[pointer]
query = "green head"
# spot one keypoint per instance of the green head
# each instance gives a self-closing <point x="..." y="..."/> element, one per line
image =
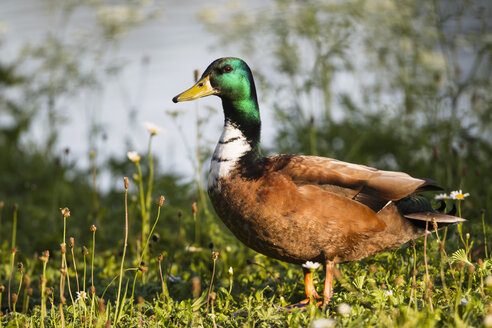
<point x="230" y="79"/>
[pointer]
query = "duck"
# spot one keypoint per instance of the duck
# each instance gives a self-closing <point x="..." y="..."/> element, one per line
<point x="298" y="208"/>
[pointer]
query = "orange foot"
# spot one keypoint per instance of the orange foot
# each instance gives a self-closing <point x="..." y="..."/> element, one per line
<point x="302" y="305"/>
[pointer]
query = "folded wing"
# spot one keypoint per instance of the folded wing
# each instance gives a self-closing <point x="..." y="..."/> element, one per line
<point x="369" y="186"/>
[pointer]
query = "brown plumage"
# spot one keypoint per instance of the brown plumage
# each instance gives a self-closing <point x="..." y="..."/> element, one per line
<point x="306" y="208"/>
<point x="302" y="208"/>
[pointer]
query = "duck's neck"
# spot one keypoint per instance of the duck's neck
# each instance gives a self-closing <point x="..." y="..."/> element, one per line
<point x="245" y="115"/>
<point x="239" y="142"/>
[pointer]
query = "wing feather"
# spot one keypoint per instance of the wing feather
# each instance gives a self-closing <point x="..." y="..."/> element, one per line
<point x="365" y="184"/>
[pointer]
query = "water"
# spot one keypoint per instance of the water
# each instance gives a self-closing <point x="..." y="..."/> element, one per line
<point x="172" y="46"/>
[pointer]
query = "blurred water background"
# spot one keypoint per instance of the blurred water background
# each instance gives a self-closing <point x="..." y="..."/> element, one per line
<point x="155" y="61"/>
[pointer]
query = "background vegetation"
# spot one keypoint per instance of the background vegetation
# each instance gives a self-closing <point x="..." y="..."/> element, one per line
<point x="400" y="85"/>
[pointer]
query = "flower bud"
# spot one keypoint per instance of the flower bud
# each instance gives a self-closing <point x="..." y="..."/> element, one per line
<point x="65" y="212"/>
<point x="102" y="306"/>
<point x="27" y="281"/>
<point x="215" y="255"/>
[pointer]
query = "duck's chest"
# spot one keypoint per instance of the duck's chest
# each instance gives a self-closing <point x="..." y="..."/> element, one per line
<point x="231" y="147"/>
<point x="260" y="220"/>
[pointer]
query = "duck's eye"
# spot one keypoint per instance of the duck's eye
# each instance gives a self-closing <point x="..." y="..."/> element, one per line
<point x="227" y="69"/>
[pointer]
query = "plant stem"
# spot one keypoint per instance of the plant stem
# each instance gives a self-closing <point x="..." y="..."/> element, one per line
<point x="484" y="234"/>
<point x="426" y="267"/>
<point x="460" y="227"/>
<point x="92" y="261"/>
<point x="85" y="270"/>
<point x="143" y="210"/>
<point x="144" y="248"/>
<point x="163" y="287"/>
<point x="20" y="285"/>
<point x="199" y="182"/>
<point x="211" y="282"/>
<point x="95" y="198"/>
<point x="150" y="182"/>
<point x="14" y="227"/>
<point x="43" y="294"/>
<point x="197" y="230"/>
<point x="124" y="248"/>
<point x="12" y="260"/>
<point x="75" y="269"/>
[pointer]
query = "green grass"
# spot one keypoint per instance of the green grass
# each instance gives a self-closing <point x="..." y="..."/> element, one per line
<point x="389" y="289"/>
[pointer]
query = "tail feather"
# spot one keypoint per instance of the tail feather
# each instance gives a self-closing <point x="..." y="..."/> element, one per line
<point x="430" y="216"/>
<point x="452" y="211"/>
<point x="428" y="185"/>
<point x="442" y="206"/>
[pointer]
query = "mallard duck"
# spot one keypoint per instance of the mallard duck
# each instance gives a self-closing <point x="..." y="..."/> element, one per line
<point x="298" y="208"/>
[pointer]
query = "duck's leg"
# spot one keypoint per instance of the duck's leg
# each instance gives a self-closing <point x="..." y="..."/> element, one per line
<point x="328" y="290"/>
<point x="309" y="288"/>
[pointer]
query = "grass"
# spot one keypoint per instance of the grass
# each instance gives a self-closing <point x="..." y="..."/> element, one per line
<point x="441" y="279"/>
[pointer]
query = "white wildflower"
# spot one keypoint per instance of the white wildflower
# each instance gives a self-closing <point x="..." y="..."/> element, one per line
<point x="133" y="156"/>
<point x="323" y="323"/>
<point x="152" y="128"/>
<point x="388" y="293"/>
<point x="231" y="271"/>
<point x="464" y="300"/>
<point x="193" y="249"/>
<point x="81" y="296"/>
<point x="311" y="265"/>
<point x="441" y="196"/>
<point x="458" y="194"/>
<point x="488" y="281"/>
<point x="344" y="309"/>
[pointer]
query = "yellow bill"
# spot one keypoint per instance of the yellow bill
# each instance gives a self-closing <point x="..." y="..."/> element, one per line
<point x="201" y="89"/>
